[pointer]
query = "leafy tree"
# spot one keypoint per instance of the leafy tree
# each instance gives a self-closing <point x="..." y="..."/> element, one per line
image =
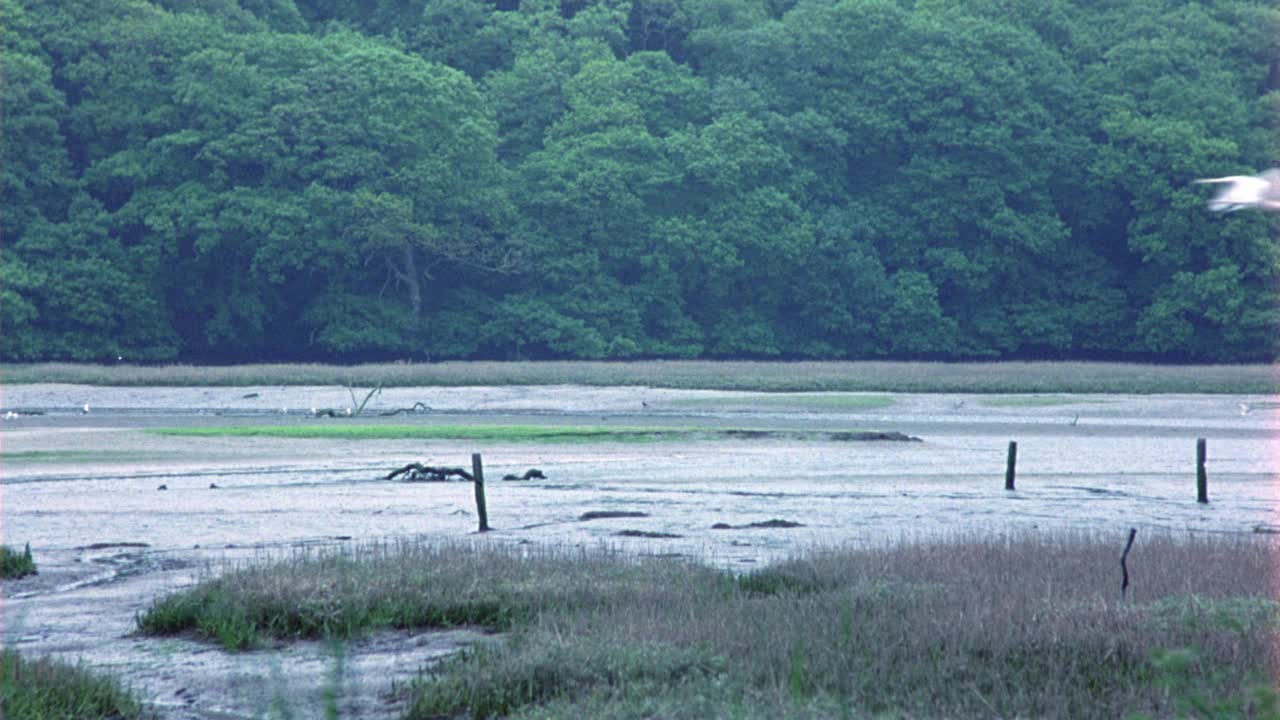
<point x="235" y="179"/>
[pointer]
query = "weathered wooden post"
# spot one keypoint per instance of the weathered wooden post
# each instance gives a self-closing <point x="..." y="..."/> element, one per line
<point x="1009" y="465"/>
<point x="1124" y="567"/>
<point x="477" y="469"/>
<point x="1202" y="478"/>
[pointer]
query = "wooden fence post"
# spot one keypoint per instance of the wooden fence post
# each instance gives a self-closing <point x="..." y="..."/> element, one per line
<point x="1124" y="567"/>
<point x="477" y="469"/>
<point x="1202" y="478"/>
<point x="1009" y="465"/>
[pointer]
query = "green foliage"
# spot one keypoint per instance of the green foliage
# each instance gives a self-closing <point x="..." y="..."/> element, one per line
<point x="1191" y="686"/>
<point x="14" y="564"/>
<point x="339" y="180"/>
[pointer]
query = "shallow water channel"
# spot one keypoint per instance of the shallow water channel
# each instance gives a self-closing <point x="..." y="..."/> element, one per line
<point x="81" y="478"/>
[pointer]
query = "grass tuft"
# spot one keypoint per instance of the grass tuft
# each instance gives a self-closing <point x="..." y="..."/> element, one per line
<point x="14" y="564"/>
<point x="45" y="688"/>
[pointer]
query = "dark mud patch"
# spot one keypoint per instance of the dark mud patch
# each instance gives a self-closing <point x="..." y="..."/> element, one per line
<point x="607" y="514"/>
<point x="530" y="474"/>
<point x="1095" y="490"/>
<point x="105" y="545"/>
<point x="838" y="436"/>
<point x="646" y="534"/>
<point x="870" y="436"/>
<point x="775" y="523"/>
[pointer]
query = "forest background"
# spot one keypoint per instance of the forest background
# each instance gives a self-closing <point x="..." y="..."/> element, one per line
<point x="231" y="180"/>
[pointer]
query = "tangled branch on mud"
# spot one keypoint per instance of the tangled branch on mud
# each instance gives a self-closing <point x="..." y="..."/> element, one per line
<point x="417" y="472"/>
<point x="418" y="407"/>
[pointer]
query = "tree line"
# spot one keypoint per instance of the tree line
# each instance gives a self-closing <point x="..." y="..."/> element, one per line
<point x="230" y="180"/>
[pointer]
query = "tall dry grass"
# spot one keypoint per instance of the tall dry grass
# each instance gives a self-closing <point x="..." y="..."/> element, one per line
<point x="997" y="377"/>
<point x="1026" y="627"/>
<point x="1018" y="626"/>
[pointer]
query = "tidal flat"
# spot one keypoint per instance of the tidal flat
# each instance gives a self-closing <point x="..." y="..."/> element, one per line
<point x="83" y="488"/>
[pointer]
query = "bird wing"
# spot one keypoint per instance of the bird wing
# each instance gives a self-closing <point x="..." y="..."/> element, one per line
<point x="1272" y="179"/>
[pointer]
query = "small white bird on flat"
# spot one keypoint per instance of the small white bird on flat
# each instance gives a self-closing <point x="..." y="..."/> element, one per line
<point x="1261" y="192"/>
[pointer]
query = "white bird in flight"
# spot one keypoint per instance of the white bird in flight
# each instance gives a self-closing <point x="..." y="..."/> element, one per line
<point x="1247" y="191"/>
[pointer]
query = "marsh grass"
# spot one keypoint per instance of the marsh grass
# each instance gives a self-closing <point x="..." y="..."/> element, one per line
<point x="800" y="401"/>
<point x="1020" y="626"/>
<point x="45" y="688"/>
<point x="874" y="376"/>
<point x="14" y="564"/>
<point x="1029" y="627"/>
<point x="53" y="457"/>
<point x="503" y="433"/>
<point x="1032" y="401"/>
<point x="400" y="585"/>
<point x="507" y="433"/>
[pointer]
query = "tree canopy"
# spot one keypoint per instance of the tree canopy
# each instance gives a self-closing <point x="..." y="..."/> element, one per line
<point x="231" y="180"/>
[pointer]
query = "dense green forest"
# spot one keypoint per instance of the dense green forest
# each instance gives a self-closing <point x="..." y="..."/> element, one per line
<point x="227" y="180"/>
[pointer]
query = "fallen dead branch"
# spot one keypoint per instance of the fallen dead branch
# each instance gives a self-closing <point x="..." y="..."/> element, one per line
<point x="417" y="407"/>
<point x="775" y="523"/>
<point x="360" y="408"/>
<point x="417" y="472"/>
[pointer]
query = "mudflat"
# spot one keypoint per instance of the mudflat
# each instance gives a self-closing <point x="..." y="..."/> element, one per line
<point x="82" y="474"/>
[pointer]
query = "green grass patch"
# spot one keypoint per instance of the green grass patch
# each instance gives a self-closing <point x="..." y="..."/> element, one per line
<point x="352" y="431"/>
<point x="791" y="401"/>
<point x="862" y="376"/>
<point x="512" y="433"/>
<point x="44" y="688"/>
<point x="1030" y="626"/>
<point x="14" y="564"/>
<point x="1032" y="401"/>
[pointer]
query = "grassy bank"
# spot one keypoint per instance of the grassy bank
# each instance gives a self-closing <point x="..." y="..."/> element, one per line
<point x="43" y="689"/>
<point x="1004" y="377"/>
<point x="15" y="564"/>
<point x="513" y="433"/>
<point x="1031" y="626"/>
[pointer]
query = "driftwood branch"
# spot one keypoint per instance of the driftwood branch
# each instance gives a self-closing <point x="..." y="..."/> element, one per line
<point x="360" y="408"/>
<point x="1124" y="567"/>
<point x="353" y="411"/>
<point x="417" y="472"/>
<point x="417" y="407"/>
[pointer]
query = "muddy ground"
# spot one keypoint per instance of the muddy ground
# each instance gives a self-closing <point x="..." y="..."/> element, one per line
<point x="81" y="479"/>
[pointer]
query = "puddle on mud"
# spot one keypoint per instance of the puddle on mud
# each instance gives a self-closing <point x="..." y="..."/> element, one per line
<point x="82" y="489"/>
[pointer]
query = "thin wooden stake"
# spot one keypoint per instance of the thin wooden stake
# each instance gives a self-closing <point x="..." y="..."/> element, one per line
<point x="477" y="471"/>
<point x="1009" y="465"/>
<point x="1124" y="585"/>
<point x="1202" y="478"/>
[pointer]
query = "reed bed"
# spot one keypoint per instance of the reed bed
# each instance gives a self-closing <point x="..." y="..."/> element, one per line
<point x="1011" y="626"/>
<point x="863" y="376"/>
<point x="43" y="688"/>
